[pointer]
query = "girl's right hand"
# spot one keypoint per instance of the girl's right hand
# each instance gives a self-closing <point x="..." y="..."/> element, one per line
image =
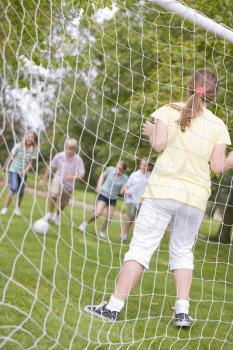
<point x="148" y="129"/>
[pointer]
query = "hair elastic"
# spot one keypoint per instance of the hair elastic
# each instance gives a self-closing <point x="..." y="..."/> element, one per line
<point x="200" y="90"/>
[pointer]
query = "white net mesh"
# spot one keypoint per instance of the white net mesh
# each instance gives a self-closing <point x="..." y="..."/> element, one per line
<point x="95" y="71"/>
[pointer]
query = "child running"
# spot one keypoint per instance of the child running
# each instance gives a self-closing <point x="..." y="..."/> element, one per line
<point x="134" y="189"/>
<point x="17" y="165"/>
<point x="68" y="168"/>
<point x="110" y="185"/>
<point x="191" y="141"/>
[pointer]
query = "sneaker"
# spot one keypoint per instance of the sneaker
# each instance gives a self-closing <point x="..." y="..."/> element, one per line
<point x="3" y="211"/>
<point x="182" y="320"/>
<point x="102" y="235"/>
<point x="123" y="237"/>
<point x="17" y="212"/>
<point x="83" y="226"/>
<point x="56" y="219"/>
<point x="101" y="311"/>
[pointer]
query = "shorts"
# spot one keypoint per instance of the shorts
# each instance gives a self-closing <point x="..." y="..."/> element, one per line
<point x="153" y="219"/>
<point x="108" y="201"/>
<point x="58" y="191"/>
<point x="17" y="183"/>
<point x="132" y="210"/>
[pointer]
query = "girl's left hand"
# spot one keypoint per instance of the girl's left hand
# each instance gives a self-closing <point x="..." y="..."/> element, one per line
<point x="148" y="129"/>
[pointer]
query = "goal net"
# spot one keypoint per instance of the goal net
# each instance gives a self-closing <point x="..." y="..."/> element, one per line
<point x="95" y="71"/>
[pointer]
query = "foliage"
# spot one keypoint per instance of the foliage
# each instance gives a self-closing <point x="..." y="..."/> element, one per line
<point x="140" y="59"/>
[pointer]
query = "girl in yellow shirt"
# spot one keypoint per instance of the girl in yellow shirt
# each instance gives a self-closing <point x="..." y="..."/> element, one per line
<point x="191" y="141"/>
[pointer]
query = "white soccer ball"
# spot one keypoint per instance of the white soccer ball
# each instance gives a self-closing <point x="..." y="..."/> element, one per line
<point x="41" y="227"/>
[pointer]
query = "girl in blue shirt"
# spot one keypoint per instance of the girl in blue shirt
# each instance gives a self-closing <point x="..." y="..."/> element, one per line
<point x="110" y="185"/>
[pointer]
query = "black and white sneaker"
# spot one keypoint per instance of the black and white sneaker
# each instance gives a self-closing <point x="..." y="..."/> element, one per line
<point x="101" y="311"/>
<point x="182" y="320"/>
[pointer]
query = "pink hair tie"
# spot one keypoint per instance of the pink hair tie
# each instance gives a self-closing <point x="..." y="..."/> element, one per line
<point x="200" y="90"/>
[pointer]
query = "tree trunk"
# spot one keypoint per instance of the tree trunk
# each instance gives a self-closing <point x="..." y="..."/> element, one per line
<point x="224" y="232"/>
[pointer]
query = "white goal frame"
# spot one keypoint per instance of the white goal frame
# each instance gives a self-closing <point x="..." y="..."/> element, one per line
<point x="197" y="18"/>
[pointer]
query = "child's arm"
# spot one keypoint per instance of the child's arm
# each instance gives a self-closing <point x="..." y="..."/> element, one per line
<point x="218" y="158"/>
<point x="157" y="134"/>
<point x="46" y="174"/>
<point x="51" y="167"/>
<point x="123" y="189"/>
<point x="7" y="162"/>
<point x="27" y="168"/>
<point x="219" y="163"/>
<point x="100" y="181"/>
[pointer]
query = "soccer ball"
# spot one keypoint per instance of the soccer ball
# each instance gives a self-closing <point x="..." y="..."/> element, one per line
<point x="40" y="227"/>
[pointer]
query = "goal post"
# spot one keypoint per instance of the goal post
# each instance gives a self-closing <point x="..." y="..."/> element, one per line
<point x="196" y="17"/>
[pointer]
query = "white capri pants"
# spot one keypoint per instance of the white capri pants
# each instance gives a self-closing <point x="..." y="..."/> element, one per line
<point x="153" y="219"/>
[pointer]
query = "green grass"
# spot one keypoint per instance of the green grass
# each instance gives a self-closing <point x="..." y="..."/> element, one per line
<point x="45" y="283"/>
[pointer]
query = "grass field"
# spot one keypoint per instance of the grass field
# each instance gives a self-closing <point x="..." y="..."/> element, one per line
<point x="46" y="282"/>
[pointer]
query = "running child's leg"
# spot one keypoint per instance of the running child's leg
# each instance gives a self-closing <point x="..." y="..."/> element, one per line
<point x="109" y="214"/>
<point x="52" y="204"/>
<point x="63" y="200"/>
<point x="54" y="194"/>
<point x="14" y="186"/>
<point x="20" y="194"/>
<point x="128" y="223"/>
<point x="100" y="206"/>
<point x="8" y="199"/>
<point x="130" y="218"/>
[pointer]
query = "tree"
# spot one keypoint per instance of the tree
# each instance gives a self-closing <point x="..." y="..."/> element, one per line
<point x="116" y="71"/>
<point x="225" y="230"/>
